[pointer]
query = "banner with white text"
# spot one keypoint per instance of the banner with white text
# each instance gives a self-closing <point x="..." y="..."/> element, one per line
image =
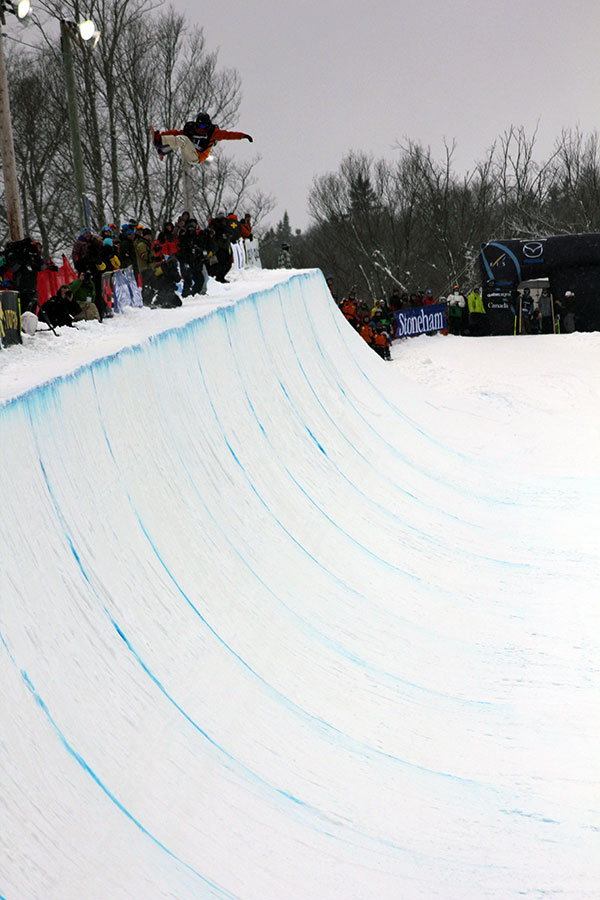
<point x="421" y="320"/>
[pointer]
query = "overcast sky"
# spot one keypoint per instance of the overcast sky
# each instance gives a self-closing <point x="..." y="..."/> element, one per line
<point x="321" y="78"/>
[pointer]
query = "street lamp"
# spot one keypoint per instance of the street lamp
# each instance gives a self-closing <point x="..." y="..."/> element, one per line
<point x="20" y="10"/>
<point x="7" y="147"/>
<point x="69" y="31"/>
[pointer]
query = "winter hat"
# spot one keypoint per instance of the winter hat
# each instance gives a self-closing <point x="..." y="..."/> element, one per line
<point x="108" y="242"/>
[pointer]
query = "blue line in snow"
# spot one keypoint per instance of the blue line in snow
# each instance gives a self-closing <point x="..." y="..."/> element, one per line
<point x="89" y="771"/>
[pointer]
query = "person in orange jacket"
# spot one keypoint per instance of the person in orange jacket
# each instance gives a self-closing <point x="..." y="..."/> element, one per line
<point x="366" y="331"/>
<point x="246" y="227"/>
<point x="349" y="308"/>
<point x="201" y="133"/>
<point x="381" y="342"/>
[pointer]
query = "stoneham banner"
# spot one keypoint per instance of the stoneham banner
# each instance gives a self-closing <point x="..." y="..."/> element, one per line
<point x="421" y="320"/>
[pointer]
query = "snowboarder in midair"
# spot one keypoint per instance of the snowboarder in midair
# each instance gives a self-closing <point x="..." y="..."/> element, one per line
<point x="195" y="140"/>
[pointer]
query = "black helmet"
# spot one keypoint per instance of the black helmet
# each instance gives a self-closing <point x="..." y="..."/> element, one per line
<point x="203" y="119"/>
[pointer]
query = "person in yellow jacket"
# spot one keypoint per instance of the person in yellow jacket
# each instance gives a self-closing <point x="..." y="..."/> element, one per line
<point x="477" y="321"/>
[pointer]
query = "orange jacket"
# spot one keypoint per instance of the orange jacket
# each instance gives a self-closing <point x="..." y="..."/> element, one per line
<point x="366" y="332"/>
<point x="349" y="308"/>
<point x="218" y="135"/>
<point x="381" y="340"/>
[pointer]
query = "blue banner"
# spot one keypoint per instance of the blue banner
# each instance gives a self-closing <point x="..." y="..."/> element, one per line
<point x="125" y="290"/>
<point x="421" y="320"/>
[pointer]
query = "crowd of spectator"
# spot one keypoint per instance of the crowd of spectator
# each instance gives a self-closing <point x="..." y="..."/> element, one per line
<point x="181" y="252"/>
<point x="465" y="313"/>
<point x="374" y="322"/>
<point x="176" y="263"/>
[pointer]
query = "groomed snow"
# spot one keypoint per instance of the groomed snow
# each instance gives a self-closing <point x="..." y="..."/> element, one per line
<point x="279" y="619"/>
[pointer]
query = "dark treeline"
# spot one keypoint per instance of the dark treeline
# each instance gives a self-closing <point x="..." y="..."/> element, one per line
<point x="150" y="67"/>
<point x="417" y="224"/>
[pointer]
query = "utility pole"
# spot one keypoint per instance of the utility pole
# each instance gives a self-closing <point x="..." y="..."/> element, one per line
<point x="186" y="185"/>
<point x="67" y="34"/>
<point x="7" y="151"/>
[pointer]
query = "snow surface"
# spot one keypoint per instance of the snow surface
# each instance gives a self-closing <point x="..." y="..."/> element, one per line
<point x="281" y="620"/>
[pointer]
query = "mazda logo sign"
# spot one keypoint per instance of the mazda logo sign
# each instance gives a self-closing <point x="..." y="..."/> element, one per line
<point x="533" y="250"/>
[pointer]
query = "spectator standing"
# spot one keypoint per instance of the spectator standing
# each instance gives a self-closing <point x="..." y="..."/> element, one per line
<point x="24" y="259"/>
<point x="81" y="249"/>
<point x="192" y="256"/>
<point x="222" y="243"/>
<point x="143" y="253"/>
<point x="526" y="311"/>
<point x="366" y="331"/>
<point x="476" y="313"/>
<point x="395" y="300"/>
<point x="126" y="248"/>
<point x="381" y="342"/>
<point x="171" y="240"/>
<point x="455" y="305"/>
<point x="246" y="227"/>
<point x="284" y="260"/>
<point x="109" y="261"/>
<point x="567" y="318"/>
<point x="234" y="227"/>
<point x="387" y="318"/>
<point x="546" y="308"/>
<point x="349" y="308"/>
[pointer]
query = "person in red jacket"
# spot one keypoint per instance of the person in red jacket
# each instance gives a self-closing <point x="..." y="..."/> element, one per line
<point x="171" y="242"/>
<point x="201" y="133"/>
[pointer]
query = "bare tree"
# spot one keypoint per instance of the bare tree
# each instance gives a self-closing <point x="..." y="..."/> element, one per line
<point x="41" y="146"/>
<point x="149" y="67"/>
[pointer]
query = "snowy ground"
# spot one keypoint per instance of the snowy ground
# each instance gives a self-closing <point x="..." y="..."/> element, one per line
<point x="43" y="356"/>
<point x="536" y="394"/>
<point x="281" y="620"/>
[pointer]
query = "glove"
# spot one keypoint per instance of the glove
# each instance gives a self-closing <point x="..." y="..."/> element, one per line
<point x="248" y="138"/>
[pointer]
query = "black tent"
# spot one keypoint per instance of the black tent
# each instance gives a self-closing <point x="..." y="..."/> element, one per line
<point x="570" y="262"/>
